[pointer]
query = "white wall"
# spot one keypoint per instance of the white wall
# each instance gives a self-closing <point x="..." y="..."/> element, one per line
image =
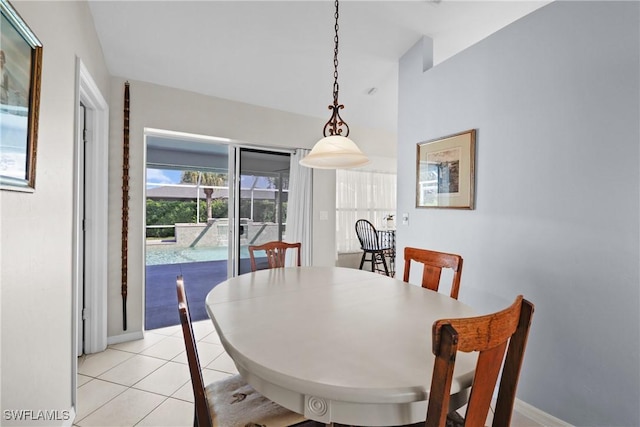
<point x="36" y="229"/>
<point x="160" y="107"/>
<point x="555" y="99"/>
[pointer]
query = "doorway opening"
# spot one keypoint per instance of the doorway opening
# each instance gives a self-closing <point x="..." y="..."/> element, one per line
<point x="90" y="207"/>
<point x="197" y="190"/>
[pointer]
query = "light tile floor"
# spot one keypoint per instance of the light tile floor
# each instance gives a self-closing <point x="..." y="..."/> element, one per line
<point x="146" y="382"/>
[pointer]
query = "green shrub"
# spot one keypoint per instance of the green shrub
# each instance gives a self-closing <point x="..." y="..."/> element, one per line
<point x="165" y="212"/>
<point x="170" y="212"/>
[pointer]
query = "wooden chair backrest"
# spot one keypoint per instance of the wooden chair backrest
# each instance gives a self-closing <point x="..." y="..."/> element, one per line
<point x="202" y="415"/>
<point x="490" y="335"/>
<point x="434" y="262"/>
<point x="276" y="253"/>
<point x="367" y="235"/>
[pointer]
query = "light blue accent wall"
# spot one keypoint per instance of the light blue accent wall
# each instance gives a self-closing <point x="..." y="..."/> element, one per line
<point x="555" y="99"/>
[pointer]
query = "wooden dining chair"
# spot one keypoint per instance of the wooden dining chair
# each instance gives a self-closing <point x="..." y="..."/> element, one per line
<point x="433" y="263"/>
<point x="491" y="336"/>
<point x="373" y="248"/>
<point x="228" y="402"/>
<point x="276" y="253"/>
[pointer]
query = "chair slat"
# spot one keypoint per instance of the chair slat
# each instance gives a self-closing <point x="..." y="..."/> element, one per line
<point x="431" y="277"/>
<point x="487" y="370"/>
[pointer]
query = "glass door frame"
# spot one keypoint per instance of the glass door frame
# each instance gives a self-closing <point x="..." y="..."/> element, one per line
<point x="235" y="151"/>
<point x="233" y="256"/>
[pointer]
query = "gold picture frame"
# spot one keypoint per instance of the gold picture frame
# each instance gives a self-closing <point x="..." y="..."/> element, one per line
<point x="21" y="73"/>
<point x="445" y="172"/>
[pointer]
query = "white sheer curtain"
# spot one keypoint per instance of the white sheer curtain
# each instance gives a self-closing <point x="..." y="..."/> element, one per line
<point x="362" y="195"/>
<point x="299" y="207"/>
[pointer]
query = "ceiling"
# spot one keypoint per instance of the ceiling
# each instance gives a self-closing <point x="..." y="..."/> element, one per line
<point x="279" y="54"/>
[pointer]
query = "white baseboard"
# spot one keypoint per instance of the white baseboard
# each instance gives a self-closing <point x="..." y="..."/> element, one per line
<point x="538" y="415"/>
<point x="131" y="336"/>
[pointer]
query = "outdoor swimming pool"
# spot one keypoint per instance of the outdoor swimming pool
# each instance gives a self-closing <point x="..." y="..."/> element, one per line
<point x="170" y="254"/>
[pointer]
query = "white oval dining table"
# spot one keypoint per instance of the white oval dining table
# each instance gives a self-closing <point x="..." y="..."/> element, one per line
<point x="337" y="344"/>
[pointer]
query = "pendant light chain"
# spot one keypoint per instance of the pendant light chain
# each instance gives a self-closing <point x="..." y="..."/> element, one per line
<point x="336" y="87"/>
<point x="335" y="125"/>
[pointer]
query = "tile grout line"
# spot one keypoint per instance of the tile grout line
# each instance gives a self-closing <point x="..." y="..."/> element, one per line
<point x="99" y="407"/>
<point x="151" y="411"/>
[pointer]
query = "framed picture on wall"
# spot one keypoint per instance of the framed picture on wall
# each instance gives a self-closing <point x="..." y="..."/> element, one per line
<point x="21" y="66"/>
<point x="445" y="172"/>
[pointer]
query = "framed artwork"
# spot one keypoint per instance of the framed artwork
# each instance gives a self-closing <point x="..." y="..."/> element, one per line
<point x="21" y="66"/>
<point x="445" y="176"/>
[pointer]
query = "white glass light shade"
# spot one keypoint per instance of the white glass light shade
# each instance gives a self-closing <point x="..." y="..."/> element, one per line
<point x="335" y="152"/>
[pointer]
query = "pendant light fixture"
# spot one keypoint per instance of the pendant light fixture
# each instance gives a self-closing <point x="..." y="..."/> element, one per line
<point x="335" y="150"/>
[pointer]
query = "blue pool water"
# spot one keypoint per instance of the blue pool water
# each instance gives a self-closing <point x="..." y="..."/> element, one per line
<point x="170" y="254"/>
